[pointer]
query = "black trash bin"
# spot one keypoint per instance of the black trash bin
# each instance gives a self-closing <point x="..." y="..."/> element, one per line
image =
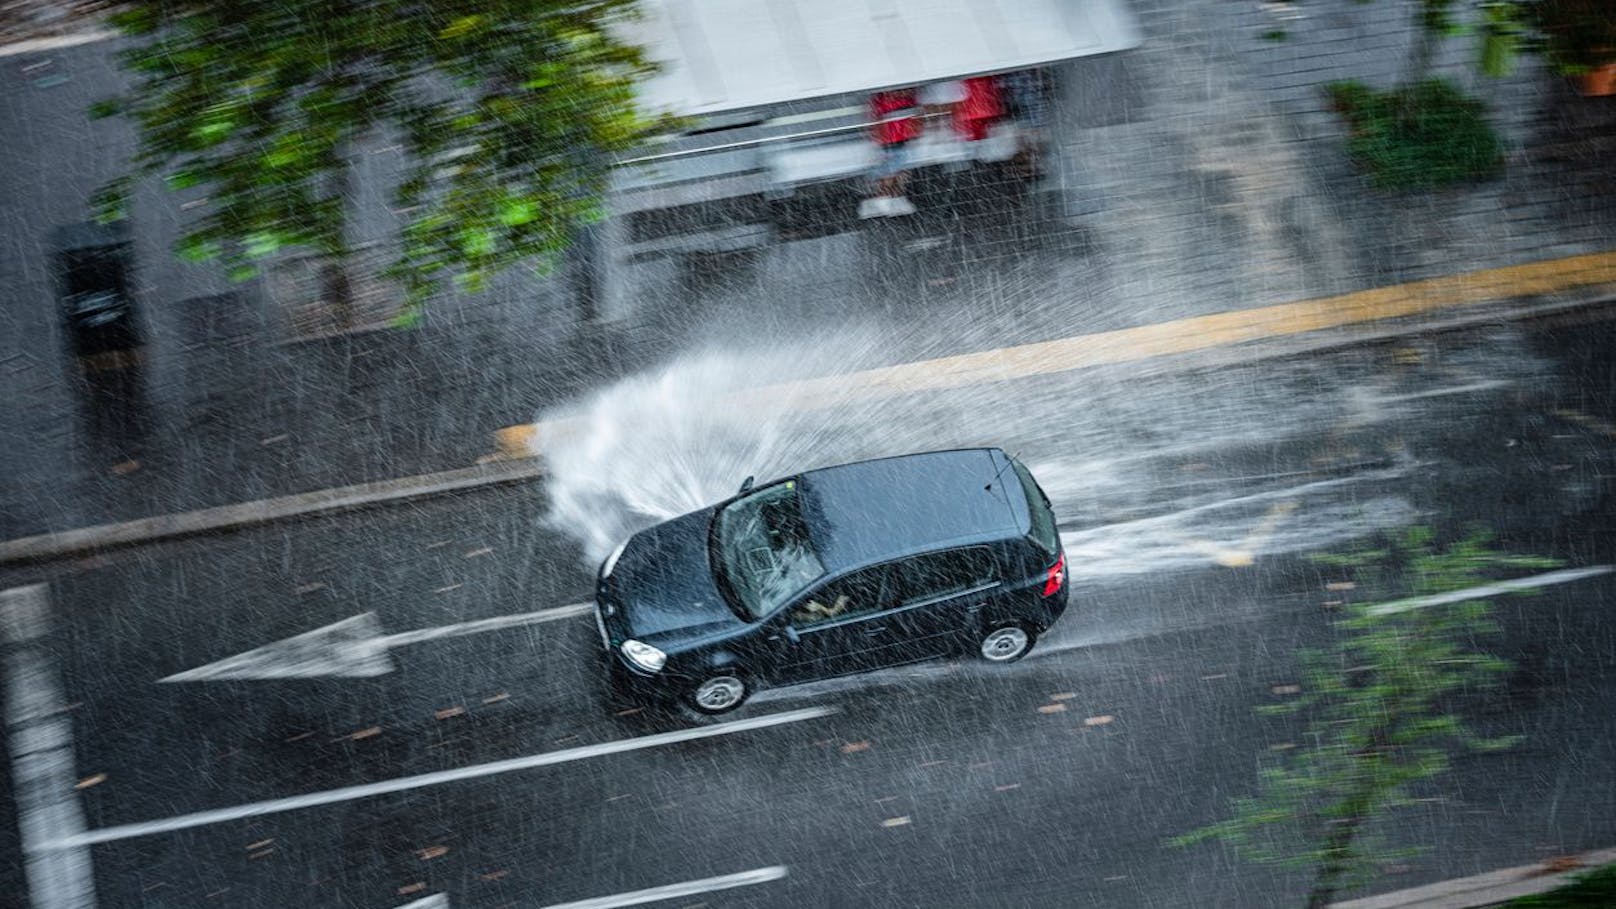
<point x="92" y="263"/>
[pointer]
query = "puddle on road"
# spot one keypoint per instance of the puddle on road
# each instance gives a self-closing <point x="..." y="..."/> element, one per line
<point x="1148" y="472"/>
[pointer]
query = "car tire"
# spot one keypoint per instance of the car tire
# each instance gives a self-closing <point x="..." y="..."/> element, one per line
<point x="1006" y="642"/>
<point x="720" y="693"/>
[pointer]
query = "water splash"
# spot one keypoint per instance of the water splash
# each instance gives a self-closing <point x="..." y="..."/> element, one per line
<point x="677" y="439"/>
<point x="1148" y="471"/>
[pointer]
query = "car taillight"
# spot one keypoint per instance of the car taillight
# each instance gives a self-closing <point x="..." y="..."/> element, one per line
<point x="1056" y="576"/>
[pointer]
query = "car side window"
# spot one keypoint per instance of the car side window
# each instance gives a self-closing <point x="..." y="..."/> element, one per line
<point x="860" y="593"/>
<point x="938" y="575"/>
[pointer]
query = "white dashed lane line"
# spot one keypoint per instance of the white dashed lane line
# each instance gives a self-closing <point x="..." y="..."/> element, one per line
<point x="41" y="738"/>
<point x="69" y="842"/>
<point x="675" y="891"/>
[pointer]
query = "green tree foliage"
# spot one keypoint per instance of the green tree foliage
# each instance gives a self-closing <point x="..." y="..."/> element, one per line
<point x="508" y="113"/>
<point x="1426" y="132"/>
<point x="1380" y="709"/>
<point x="1417" y="136"/>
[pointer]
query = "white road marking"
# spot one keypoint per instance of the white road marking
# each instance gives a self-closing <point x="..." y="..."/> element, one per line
<point x="36" y="45"/>
<point x="41" y="739"/>
<point x="482" y="625"/>
<point x="1483" y="385"/>
<point x="435" y="901"/>
<point x="353" y="648"/>
<point x="1565" y="576"/>
<point x="402" y="784"/>
<point x="674" y="891"/>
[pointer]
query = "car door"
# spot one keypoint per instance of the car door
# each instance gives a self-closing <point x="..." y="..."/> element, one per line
<point x="835" y="629"/>
<point x="936" y="600"/>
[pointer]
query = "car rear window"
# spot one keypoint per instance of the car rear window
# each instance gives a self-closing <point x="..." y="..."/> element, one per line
<point x="1043" y="533"/>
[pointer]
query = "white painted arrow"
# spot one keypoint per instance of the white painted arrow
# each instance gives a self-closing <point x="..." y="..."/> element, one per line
<point x="353" y="648"/>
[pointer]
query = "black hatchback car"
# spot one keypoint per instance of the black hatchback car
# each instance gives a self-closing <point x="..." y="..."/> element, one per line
<point x="834" y="571"/>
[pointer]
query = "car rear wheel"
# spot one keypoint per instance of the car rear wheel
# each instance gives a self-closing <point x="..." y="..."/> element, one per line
<point x="720" y="693"/>
<point x="1006" y="643"/>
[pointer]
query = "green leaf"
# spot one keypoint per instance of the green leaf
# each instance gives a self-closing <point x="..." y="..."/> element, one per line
<point x="198" y="249"/>
<point x="135" y="20"/>
<point x="409" y="317"/>
<point x="106" y="107"/>
<point x="516" y="212"/>
<point x="288" y="150"/>
<point x="262" y="244"/>
<point x="462" y="26"/>
<point x="111" y="202"/>
<point x="477" y="241"/>
<point x="240" y="273"/>
<point x="212" y="132"/>
<point x="182" y="179"/>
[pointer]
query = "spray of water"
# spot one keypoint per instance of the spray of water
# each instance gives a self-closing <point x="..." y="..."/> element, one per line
<point x="1148" y="472"/>
<point x="682" y="437"/>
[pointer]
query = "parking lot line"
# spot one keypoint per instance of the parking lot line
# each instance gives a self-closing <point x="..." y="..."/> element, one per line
<point x="41" y="737"/>
<point x="402" y="784"/>
<point x="674" y="891"/>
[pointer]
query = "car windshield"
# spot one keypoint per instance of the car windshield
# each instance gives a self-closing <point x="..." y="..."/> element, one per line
<point x="762" y="548"/>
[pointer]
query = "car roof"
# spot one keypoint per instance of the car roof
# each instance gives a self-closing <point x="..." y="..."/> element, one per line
<point x="873" y="511"/>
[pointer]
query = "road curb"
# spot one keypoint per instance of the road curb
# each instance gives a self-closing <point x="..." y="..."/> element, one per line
<point x="263" y="511"/>
<point x="1491" y="889"/>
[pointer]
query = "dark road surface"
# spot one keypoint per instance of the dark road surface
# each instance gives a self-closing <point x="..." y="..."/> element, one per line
<point x="1055" y="781"/>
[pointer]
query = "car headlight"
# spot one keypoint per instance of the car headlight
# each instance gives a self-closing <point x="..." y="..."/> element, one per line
<point x="644" y="655"/>
<point x="611" y="560"/>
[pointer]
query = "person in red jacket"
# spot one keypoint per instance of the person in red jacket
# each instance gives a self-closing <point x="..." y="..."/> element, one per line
<point x="896" y="116"/>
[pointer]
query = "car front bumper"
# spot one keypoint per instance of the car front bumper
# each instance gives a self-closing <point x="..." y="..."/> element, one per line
<point x="627" y="680"/>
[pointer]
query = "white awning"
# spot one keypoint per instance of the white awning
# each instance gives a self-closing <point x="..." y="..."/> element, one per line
<point x="727" y="55"/>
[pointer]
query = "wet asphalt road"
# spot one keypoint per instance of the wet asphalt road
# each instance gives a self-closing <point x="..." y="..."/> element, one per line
<point x="1051" y="782"/>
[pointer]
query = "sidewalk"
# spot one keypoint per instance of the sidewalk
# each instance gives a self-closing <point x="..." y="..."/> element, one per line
<point x="1202" y="175"/>
<point x="1491" y="889"/>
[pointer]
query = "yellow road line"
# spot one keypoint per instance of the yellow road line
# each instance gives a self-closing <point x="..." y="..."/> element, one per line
<point x="1161" y="339"/>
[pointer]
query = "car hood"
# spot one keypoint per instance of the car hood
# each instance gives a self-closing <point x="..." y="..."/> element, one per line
<point x="663" y="586"/>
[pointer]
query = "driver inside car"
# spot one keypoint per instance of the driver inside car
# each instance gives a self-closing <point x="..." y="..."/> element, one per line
<point x="815" y="611"/>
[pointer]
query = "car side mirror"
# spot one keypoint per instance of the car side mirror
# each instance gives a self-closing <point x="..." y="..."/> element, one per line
<point x="746" y="485"/>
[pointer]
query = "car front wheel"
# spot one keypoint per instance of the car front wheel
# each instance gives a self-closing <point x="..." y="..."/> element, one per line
<point x="1007" y="643"/>
<point x="720" y="693"/>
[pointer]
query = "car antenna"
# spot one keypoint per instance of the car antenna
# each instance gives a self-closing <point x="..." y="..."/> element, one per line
<point x="1012" y="458"/>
